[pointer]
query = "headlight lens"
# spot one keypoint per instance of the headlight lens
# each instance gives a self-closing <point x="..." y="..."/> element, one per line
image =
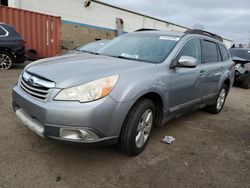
<point x="90" y="91"/>
<point x="238" y="65"/>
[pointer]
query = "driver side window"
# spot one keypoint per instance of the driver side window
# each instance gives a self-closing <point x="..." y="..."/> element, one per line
<point x="191" y="48"/>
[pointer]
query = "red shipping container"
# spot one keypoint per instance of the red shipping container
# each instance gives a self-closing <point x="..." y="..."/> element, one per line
<point x="41" y="32"/>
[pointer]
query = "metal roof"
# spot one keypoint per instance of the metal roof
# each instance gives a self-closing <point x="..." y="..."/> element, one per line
<point x="140" y="14"/>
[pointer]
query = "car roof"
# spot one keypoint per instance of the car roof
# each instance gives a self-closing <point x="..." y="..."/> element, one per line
<point x="161" y="32"/>
<point x="6" y="26"/>
<point x="1" y="23"/>
<point x="192" y="32"/>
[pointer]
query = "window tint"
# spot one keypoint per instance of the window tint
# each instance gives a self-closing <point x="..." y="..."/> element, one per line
<point x="224" y="53"/>
<point x="2" y="31"/>
<point x="209" y="51"/>
<point x="191" y="48"/>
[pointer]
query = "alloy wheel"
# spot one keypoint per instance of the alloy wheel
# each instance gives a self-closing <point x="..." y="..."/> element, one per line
<point x="221" y="99"/>
<point x="5" y="61"/>
<point x="144" y="128"/>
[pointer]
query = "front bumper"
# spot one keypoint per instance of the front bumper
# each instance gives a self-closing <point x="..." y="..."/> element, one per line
<point x="30" y="122"/>
<point x="103" y="117"/>
<point x="240" y="77"/>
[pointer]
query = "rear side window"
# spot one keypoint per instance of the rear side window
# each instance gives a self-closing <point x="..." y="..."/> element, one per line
<point x="224" y="53"/>
<point x="210" y="52"/>
<point x="2" y="31"/>
<point x="191" y="48"/>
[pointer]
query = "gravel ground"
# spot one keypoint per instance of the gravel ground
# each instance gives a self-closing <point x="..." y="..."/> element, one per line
<point x="209" y="151"/>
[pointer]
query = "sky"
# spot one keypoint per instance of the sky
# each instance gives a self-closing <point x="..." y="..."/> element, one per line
<point x="228" y="18"/>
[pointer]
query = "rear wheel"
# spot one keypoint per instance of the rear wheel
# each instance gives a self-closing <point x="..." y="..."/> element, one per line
<point x="32" y="55"/>
<point x="6" y="61"/>
<point x="220" y="101"/>
<point x="137" y="127"/>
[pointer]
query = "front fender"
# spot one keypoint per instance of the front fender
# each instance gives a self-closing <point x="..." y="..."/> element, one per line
<point x="132" y="88"/>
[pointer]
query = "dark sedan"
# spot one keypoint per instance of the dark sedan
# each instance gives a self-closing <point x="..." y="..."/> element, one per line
<point x="12" y="47"/>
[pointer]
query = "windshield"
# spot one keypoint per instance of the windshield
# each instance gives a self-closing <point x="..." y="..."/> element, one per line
<point x="242" y="53"/>
<point x="93" y="46"/>
<point x="147" y="47"/>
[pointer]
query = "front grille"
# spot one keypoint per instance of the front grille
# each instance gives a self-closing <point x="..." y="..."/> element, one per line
<point x="39" y="92"/>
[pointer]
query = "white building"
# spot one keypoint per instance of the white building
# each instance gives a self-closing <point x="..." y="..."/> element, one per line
<point x="85" y="20"/>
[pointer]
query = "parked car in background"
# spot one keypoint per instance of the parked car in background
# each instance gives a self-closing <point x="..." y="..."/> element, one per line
<point x="135" y="82"/>
<point x="90" y="47"/>
<point x="241" y="57"/>
<point x="12" y="47"/>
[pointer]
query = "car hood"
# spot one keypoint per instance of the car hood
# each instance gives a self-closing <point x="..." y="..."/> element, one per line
<point x="239" y="59"/>
<point x="75" y="69"/>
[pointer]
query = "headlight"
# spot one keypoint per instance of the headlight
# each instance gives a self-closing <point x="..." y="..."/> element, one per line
<point x="238" y="65"/>
<point x="88" y="92"/>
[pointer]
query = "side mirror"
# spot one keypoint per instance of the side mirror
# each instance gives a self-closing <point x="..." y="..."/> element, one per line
<point x="187" y="61"/>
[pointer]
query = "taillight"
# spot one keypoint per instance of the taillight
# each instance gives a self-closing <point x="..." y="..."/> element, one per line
<point x="22" y="42"/>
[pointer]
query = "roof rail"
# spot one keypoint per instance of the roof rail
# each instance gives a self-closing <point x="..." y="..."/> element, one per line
<point x="146" y="29"/>
<point x="205" y="33"/>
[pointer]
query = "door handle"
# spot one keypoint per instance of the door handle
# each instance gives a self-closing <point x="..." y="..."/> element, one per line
<point x="202" y="73"/>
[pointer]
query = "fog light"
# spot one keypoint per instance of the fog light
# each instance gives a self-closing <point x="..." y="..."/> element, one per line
<point x="77" y="134"/>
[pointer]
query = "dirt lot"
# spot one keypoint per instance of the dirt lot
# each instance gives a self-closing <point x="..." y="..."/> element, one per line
<point x="209" y="151"/>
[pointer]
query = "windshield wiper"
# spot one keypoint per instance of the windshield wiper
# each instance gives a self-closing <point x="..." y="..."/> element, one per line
<point x="123" y="57"/>
<point x="89" y="52"/>
<point x="77" y="49"/>
<point x="94" y="53"/>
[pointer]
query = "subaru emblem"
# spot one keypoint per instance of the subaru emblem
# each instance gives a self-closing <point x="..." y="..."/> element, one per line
<point x="31" y="81"/>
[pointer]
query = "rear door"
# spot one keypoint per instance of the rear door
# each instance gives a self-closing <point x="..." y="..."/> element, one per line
<point x="212" y="68"/>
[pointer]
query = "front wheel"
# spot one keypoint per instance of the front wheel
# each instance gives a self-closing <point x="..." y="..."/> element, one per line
<point x="137" y="127"/>
<point x="6" y="61"/>
<point x="246" y="81"/>
<point x="220" y="101"/>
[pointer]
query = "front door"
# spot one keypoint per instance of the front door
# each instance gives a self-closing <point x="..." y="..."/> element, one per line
<point x="185" y="83"/>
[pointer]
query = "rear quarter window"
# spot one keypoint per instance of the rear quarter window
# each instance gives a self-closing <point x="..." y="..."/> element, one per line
<point x="224" y="53"/>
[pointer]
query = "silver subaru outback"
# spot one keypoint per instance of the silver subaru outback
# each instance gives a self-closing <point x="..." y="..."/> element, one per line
<point x="118" y="94"/>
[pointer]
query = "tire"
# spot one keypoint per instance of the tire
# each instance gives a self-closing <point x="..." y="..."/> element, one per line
<point x="6" y="61"/>
<point x="236" y="81"/>
<point x="32" y="55"/>
<point x="137" y="127"/>
<point x="220" y="101"/>
<point x="246" y="82"/>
